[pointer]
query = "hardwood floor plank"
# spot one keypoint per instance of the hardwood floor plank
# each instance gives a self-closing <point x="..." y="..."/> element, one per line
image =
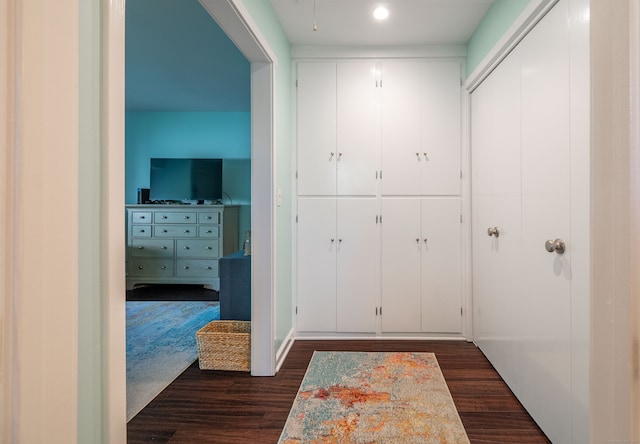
<point x="206" y="406"/>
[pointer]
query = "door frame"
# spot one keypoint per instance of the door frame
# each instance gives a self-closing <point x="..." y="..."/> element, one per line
<point x="236" y="21"/>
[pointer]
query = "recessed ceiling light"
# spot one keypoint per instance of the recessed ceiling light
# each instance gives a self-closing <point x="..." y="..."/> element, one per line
<point x="381" y="13"/>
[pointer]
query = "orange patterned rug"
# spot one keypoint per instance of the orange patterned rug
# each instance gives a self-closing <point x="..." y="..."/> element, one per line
<point x="356" y="397"/>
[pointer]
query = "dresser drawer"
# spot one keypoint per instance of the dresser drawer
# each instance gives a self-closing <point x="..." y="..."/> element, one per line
<point x="175" y="231"/>
<point x="208" y="231"/>
<point x="151" y="248"/>
<point x="152" y="267"/>
<point x="207" y="248"/>
<point x="141" y="217"/>
<point x="209" y="217"/>
<point x="141" y="231"/>
<point x="197" y="267"/>
<point x="175" y="217"/>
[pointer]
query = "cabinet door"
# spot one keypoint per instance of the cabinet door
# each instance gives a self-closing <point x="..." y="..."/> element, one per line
<point x="441" y="265"/>
<point x="496" y="177"/>
<point x="440" y="126"/>
<point x="401" y="103"/>
<point x="316" y="300"/>
<point x="546" y="203"/>
<point x="316" y="128"/>
<point x="401" y="305"/>
<point x="358" y="140"/>
<point x="358" y="265"/>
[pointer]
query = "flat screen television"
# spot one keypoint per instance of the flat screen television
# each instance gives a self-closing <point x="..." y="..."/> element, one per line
<point x="185" y="179"/>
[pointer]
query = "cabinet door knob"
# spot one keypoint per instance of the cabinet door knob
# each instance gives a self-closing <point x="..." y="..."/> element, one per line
<point x="186" y="247"/>
<point x="186" y="217"/>
<point x="140" y="267"/>
<point x="208" y="268"/>
<point x="186" y="231"/>
<point x="557" y="245"/>
<point x="331" y="156"/>
<point x="425" y="240"/>
<point x="417" y="240"/>
<point x="493" y="231"/>
<point x="209" y="248"/>
<point x="186" y="267"/>
<point x="163" y="267"/>
<point x="140" y="247"/>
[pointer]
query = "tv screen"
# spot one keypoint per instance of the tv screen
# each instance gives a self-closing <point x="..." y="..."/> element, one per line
<point x="185" y="179"/>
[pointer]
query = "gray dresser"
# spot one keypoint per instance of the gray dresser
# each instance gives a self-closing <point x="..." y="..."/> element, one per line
<point x="179" y="244"/>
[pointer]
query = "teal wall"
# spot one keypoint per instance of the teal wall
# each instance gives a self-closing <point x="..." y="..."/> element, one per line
<point x="265" y="17"/>
<point x="192" y="134"/>
<point x="492" y="27"/>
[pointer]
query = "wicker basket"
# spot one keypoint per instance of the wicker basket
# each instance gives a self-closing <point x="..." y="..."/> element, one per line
<point x="225" y="345"/>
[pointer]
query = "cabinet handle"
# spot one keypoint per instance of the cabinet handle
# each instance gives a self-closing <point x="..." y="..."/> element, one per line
<point x="140" y="267"/>
<point x="493" y="231"/>
<point x="186" y="267"/>
<point x="164" y="231"/>
<point x="209" y="231"/>
<point x="418" y="156"/>
<point x="557" y="245"/>
<point x="142" y="231"/>
<point x="143" y="217"/>
<point x="425" y="156"/>
<point x="140" y="247"/>
<point x="331" y="156"/>
<point x="209" y="248"/>
<point x="186" y="231"/>
<point x="186" y="248"/>
<point x="164" y="247"/>
<point x="186" y="217"/>
<point x="339" y="156"/>
<point x="339" y="240"/>
<point x="333" y="240"/>
<point x="164" y="217"/>
<point x="208" y="268"/>
<point x="425" y="240"/>
<point x="417" y="240"/>
<point x="163" y="267"/>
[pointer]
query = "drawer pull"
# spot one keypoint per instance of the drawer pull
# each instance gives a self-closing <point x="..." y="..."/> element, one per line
<point x="163" y="267"/>
<point x="209" y="268"/>
<point x="186" y="248"/>
<point x="142" y="231"/>
<point x="209" y="231"/>
<point x="140" y="267"/>
<point x="164" y="247"/>
<point x="186" y="231"/>
<point x="164" y="217"/>
<point x="140" y="247"/>
<point x="186" y="217"/>
<point x="164" y="231"/>
<point x="186" y="267"/>
<point x="209" y="248"/>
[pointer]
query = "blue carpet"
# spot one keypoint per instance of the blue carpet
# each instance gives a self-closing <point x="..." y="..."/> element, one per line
<point x="161" y="344"/>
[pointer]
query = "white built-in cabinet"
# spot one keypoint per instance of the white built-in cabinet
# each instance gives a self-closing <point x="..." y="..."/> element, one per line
<point x="421" y="285"/>
<point x="378" y="160"/>
<point x="521" y="196"/>
<point x="338" y="264"/>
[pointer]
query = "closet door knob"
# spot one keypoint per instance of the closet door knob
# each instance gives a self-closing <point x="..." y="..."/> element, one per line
<point x="557" y="245"/>
<point x="493" y="231"/>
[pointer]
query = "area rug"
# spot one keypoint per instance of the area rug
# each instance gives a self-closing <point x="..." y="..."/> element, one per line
<point x="161" y="344"/>
<point x="356" y="397"/>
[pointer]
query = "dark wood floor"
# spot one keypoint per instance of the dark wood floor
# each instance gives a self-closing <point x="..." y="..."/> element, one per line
<point x="229" y="407"/>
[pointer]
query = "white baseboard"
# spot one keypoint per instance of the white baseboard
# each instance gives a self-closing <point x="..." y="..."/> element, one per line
<point x="283" y="351"/>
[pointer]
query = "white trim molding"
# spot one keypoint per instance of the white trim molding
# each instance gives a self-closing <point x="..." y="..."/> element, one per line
<point x="531" y="15"/>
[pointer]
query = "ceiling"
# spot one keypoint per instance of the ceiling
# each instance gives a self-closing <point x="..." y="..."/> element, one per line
<point x="178" y="58"/>
<point x="351" y="22"/>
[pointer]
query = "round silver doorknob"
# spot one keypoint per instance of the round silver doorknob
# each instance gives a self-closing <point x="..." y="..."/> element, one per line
<point x="557" y="245"/>
<point x="493" y="231"/>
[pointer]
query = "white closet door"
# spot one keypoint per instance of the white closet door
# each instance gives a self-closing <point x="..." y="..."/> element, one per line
<point x="401" y="107"/>
<point x="401" y="255"/>
<point x="358" y="265"/>
<point x="440" y="124"/>
<point x="358" y="133"/>
<point x="441" y="265"/>
<point x="316" y="264"/>
<point x="546" y="203"/>
<point x="316" y="128"/>
<point x="496" y="203"/>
